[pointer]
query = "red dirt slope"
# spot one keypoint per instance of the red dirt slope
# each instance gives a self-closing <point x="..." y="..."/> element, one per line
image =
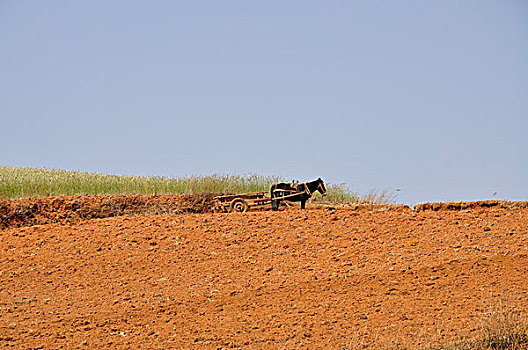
<point x="38" y="211"/>
<point x="290" y="279"/>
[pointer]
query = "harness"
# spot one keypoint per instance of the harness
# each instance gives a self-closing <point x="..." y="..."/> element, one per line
<point x="307" y="189"/>
<point x="320" y="186"/>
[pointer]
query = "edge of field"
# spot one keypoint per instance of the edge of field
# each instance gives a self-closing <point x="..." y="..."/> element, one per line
<point x="46" y="210"/>
<point x="39" y="211"/>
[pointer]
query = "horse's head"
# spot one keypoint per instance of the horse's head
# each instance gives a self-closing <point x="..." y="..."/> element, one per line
<point x="321" y="187"/>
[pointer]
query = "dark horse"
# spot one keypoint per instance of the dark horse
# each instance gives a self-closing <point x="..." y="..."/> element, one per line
<point x="295" y="192"/>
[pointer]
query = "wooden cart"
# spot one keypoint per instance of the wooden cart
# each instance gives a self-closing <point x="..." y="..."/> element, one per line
<point x="242" y="202"/>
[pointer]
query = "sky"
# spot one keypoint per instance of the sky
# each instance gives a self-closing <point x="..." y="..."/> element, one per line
<point x="429" y="98"/>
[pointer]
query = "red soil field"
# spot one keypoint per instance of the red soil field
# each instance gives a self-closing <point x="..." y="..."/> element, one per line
<point x="331" y="278"/>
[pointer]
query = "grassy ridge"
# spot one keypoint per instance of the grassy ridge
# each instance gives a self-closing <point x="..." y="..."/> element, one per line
<point x="17" y="182"/>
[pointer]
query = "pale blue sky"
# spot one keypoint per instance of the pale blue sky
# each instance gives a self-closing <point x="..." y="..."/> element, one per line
<point x="430" y="97"/>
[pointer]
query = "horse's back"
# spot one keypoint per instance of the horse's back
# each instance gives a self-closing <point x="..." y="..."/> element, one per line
<point x="283" y="185"/>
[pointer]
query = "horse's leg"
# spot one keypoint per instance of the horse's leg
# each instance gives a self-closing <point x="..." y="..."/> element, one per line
<point x="303" y="203"/>
<point x="274" y="203"/>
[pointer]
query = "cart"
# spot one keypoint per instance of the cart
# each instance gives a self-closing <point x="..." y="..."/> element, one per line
<point x="242" y="202"/>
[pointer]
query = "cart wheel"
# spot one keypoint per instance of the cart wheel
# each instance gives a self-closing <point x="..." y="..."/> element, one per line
<point x="239" y="205"/>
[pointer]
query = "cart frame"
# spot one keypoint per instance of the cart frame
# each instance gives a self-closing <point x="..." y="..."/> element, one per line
<point x="243" y="201"/>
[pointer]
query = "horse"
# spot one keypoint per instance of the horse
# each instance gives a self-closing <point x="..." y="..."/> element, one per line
<point x="296" y="192"/>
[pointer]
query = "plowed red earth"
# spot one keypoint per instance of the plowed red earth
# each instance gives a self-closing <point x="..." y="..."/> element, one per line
<point x="38" y="211"/>
<point x="290" y="279"/>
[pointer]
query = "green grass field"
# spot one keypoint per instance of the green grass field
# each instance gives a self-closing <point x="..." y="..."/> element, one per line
<point x="17" y="182"/>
